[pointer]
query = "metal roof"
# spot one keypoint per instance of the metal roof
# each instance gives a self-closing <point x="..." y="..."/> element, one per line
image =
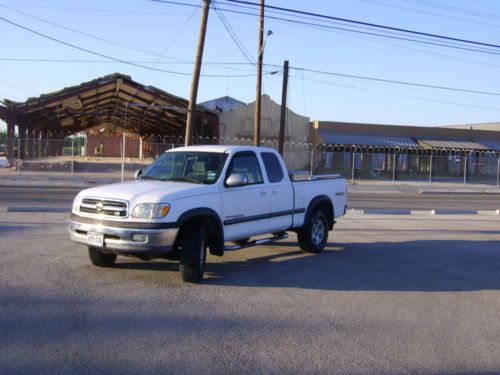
<point x="223" y="104"/>
<point x="492" y="145"/>
<point x="450" y="143"/>
<point x="111" y="100"/>
<point x="368" y="140"/>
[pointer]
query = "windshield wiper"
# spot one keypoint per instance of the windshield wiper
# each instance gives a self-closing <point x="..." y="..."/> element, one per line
<point x="184" y="179"/>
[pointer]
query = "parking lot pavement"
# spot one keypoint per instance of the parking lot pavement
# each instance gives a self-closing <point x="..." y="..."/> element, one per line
<point x="390" y="295"/>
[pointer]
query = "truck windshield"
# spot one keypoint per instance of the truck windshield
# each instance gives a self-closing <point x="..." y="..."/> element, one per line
<point x="195" y="167"/>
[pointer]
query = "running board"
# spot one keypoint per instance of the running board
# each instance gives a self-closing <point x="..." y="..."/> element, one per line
<point x="260" y="241"/>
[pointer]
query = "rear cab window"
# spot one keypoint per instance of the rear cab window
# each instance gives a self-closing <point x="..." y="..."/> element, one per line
<point x="273" y="167"/>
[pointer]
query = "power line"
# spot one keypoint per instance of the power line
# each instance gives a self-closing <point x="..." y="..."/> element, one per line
<point x="422" y="40"/>
<point x="453" y="9"/>
<point x="387" y="29"/>
<point x="344" y="75"/>
<point x="378" y="26"/>
<point x="110" y="57"/>
<point x="18" y="87"/>
<point x="94" y="10"/>
<point x="431" y="13"/>
<point x="328" y="27"/>
<point x="184" y="62"/>
<point x="397" y="82"/>
<point x="233" y="35"/>
<point x="86" y="34"/>
<point x="401" y="96"/>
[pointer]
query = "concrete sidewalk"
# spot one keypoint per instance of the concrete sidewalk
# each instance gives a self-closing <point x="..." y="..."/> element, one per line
<point x="9" y="178"/>
<point x="419" y="187"/>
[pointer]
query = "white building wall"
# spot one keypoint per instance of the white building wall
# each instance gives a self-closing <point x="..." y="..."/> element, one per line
<point x="239" y="124"/>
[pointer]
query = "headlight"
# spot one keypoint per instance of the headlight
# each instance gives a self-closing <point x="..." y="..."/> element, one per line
<point x="76" y="203"/>
<point x="151" y="210"/>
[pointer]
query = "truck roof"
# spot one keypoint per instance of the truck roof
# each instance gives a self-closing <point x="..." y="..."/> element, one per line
<point x="220" y="148"/>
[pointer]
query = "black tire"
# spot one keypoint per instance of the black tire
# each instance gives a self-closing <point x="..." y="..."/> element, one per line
<point x="100" y="259"/>
<point x="313" y="236"/>
<point x="193" y="253"/>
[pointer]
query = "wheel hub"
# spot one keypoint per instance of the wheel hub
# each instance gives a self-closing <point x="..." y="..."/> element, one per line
<point x="318" y="232"/>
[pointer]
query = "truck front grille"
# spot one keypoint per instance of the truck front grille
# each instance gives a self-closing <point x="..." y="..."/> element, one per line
<point x="106" y="207"/>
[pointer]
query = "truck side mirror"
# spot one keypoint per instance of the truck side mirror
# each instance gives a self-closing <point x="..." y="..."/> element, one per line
<point x="137" y="174"/>
<point x="236" y="179"/>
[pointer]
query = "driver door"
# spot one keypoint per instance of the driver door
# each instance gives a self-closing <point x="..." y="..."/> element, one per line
<point x="245" y="209"/>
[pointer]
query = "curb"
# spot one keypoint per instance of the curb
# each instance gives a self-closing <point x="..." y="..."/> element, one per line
<point x="39" y="209"/>
<point x="458" y="192"/>
<point x="424" y="212"/>
<point x="58" y="187"/>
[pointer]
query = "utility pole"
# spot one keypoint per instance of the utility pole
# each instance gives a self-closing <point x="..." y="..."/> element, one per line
<point x="196" y="73"/>
<point x="260" y="56"/>
<point x="281" y="139"/>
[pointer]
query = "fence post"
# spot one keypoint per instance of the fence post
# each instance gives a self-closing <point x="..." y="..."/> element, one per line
<point x="394" y="167"/>
<point x="498" y="170"/>
<point x="465" y="171"/>
<point x="19" y="155"/>
<point x="353" y="159"/>
<point x="312" y="161"/>
<point x="72" y="153"/>
<point x="123" y="156"/>
<point x="430" y="171"/>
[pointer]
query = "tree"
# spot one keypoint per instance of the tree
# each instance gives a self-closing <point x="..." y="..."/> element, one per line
<point x="3" y="134"/>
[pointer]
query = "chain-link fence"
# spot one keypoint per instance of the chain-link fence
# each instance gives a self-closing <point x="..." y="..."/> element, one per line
<point x="79" y="156"/>
<point x="472" y="168"/>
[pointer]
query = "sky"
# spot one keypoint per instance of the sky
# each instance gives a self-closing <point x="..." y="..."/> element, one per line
<point x="161" y="37"/>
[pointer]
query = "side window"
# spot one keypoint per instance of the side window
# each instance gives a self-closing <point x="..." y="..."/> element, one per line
<point x="273" y="167"/>
<point x="247" y="164"/>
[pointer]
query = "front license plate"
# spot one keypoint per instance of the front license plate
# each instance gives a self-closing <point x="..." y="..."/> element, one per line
<point x="95" y="239"/>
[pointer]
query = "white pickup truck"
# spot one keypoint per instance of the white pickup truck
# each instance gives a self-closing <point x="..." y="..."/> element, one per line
<point x="199" y="197"/>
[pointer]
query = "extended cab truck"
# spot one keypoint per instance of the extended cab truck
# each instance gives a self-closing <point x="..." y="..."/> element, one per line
<point x="194" y="198"/>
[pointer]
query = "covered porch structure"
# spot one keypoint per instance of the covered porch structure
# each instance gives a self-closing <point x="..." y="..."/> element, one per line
<point x="113" y="102"/>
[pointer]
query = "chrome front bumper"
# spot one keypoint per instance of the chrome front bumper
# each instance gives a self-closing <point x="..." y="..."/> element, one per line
<point x="119" y="240"/>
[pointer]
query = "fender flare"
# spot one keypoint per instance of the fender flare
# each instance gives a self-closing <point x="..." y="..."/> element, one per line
<point x="216" y="243"/>
<point x="314" y="203"/>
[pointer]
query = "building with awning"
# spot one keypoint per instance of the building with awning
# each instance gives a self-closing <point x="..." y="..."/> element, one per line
<point x="378" y="149"/>
<point x="357" y="137"/>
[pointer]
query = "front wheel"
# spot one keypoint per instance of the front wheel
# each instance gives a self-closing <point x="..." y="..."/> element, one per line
<point x="313" y="236"/>
<point x="193" y="253"/>
<point x="100" y="259"/>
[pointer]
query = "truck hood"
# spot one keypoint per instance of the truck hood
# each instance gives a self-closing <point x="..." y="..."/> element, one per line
<point x="147" y="191"/>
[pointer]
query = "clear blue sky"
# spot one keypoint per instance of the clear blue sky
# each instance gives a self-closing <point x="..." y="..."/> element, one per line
<point x="169" y="30"/>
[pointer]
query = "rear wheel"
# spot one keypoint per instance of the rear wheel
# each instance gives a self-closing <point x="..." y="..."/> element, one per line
<point x="100" y="259"/>
<point x="313" y="236"/>
<point x="193" y="253"/>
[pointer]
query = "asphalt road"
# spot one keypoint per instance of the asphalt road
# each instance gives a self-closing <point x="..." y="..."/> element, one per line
<point x="390" y="295"/>
<point x="60" y="199"/>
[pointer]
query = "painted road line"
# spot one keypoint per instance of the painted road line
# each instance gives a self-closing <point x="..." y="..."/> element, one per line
<point x="422" y="212"/>
<point x="374" y="211"/>
<point x="488" y="212"/>
<point x="454" y="212"/>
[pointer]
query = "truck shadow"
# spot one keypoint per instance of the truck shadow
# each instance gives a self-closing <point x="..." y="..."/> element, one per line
<point x="425" y="265"/>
